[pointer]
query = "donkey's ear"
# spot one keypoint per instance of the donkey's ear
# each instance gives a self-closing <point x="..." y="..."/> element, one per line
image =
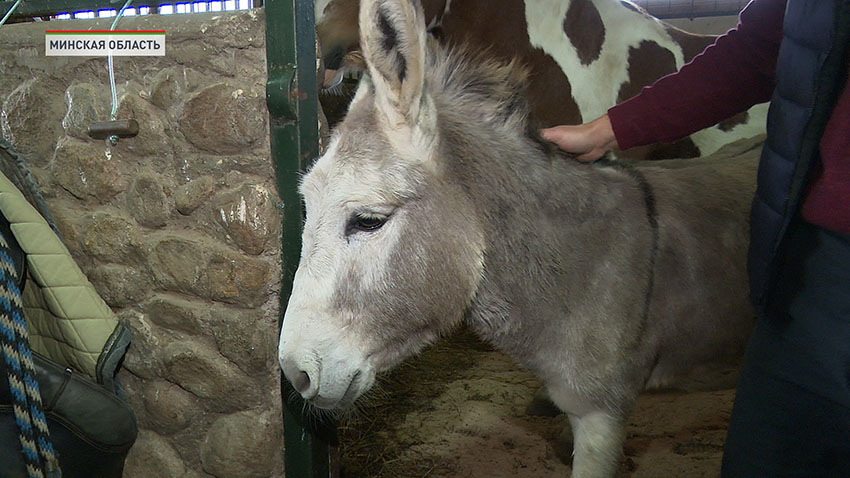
<point x="392" y="34"/>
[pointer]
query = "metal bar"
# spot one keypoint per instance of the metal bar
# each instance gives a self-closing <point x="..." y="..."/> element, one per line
<point x="692" y="15"/>
<point x="37" y="8"/>
<point x="5" y="16"/>
<point x="667" y="9"/>
<point x="292" y="99"/>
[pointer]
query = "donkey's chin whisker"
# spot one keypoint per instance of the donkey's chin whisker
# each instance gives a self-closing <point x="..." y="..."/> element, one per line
<point x="349" y="414"/>
<point x="316" y="415"/>
<point x="294" y="397"/>
<point x="334" y="90"/>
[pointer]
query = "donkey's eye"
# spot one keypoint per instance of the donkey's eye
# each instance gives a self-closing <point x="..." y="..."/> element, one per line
<point x="366" y="222"/>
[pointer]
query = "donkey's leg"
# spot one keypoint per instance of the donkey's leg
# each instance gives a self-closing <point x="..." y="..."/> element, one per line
<point x="597" y="444"/>
<point x="597" y="434"/>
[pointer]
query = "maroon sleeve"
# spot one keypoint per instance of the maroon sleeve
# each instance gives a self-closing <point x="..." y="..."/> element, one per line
<point x="731" y="75"/>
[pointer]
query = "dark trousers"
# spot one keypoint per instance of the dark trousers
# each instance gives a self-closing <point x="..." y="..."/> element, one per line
<point x="791" y="416"/>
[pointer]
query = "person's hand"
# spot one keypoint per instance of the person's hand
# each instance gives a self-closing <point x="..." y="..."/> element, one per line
<point x="589" y="141"/>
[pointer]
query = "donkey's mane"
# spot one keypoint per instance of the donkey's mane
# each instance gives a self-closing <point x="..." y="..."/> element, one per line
<point x="466" y="82"/>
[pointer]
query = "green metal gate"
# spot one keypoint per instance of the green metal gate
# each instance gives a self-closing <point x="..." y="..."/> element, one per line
<point x="292" y="98"/>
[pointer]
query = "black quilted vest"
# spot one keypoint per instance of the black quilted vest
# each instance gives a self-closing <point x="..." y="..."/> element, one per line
<point x="810" y="72"/>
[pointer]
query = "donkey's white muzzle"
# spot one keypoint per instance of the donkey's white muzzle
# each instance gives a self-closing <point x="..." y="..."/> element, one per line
<point x="327" y="382"/>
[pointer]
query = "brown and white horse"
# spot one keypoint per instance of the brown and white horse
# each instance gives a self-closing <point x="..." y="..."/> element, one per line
<point x="584" y="56"/>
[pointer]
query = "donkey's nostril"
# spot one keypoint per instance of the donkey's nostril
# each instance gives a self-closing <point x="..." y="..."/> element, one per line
<point x="304" y="378"/>
<point x="301" y="382"/>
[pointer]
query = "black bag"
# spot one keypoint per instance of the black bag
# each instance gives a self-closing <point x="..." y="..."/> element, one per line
<point x="91" y="428"/>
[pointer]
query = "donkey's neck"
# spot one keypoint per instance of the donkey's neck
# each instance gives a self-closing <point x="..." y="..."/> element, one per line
<point x="537" y="209"/>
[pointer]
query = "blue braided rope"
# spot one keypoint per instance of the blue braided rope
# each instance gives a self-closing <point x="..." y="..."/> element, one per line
<point x="38" y="453"/>
<point x="15" y="376"/>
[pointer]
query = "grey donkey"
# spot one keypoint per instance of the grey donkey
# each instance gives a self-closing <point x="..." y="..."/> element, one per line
<point x="435" y="205"/>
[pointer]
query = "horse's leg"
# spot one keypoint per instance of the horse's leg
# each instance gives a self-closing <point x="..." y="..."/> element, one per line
<point x="597" y="444"/>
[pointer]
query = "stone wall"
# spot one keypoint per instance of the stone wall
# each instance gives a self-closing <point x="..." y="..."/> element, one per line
<point x="178" y="228"/>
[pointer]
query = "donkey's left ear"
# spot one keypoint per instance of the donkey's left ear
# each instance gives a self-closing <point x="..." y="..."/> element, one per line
<point x="392" y="34"/>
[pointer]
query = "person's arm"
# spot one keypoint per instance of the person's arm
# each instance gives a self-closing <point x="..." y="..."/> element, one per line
<point x="731" y="75"/>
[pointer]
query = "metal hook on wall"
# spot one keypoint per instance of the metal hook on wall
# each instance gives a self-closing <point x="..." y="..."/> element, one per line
<point x="114" y="129"/>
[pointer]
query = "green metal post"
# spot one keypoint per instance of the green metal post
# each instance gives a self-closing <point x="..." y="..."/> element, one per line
<point x="292" y="99"/>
